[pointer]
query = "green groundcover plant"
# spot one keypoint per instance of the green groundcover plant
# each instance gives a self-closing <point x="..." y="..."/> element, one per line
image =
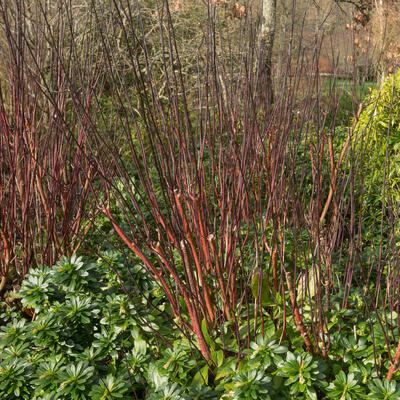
<point x="88" y="339"/>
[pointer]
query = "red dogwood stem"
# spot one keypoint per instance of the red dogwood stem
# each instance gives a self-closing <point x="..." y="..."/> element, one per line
<point x="395" y="363"/>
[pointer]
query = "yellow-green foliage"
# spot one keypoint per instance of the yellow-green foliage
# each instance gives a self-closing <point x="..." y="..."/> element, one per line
<point x="377" y="137"/>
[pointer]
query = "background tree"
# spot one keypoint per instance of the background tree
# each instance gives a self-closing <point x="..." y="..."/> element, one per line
<point x="268" y="26"/>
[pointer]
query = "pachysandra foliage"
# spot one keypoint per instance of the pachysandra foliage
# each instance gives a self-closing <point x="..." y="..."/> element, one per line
<point x="86" y="340"/>
<point x="72" y="348"/>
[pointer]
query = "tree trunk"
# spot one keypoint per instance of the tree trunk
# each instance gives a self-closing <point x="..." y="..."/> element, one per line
<point x="268" y="25"/>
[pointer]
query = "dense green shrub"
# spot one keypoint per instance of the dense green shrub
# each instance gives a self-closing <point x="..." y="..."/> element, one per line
<point x="377" y="141"/>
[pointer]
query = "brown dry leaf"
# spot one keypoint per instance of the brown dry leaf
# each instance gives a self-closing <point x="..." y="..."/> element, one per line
<point x="242" y="11"/>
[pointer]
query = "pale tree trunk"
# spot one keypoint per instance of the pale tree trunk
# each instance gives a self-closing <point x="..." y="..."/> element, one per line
<point x="268" y="25"/>
<point x="380" y="38"/>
